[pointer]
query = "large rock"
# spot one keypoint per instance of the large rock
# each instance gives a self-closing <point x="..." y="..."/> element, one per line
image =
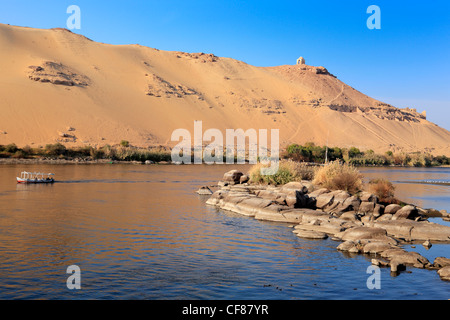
<point x="310" y="234"/>
<point x="397" y="256"/>
<point x="441" y="262"/>
<point x="244" y="178"/>
<point x="410" y="230"/>
<point x="280" y="213"/>
<point x="444" y="273"/>
<point x="368" y="197"/>
<point x="325" y="200"/>
<point x="350" y="246"/>
<point x="407" y="212"/>
<point x="324" y="227"/>
<point x="292" y="186"/>
<point x="204" y="191"/>
<point x="366" y="207"/>
<point x="366" y="233"/>
<point x="377" y="247"/>
<point x="232" y="176"/>
<point x="318" y="192"/>
<point x="392" y="208"/>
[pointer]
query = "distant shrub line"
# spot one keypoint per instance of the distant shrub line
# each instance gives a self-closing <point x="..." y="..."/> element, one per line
<point x="123" y="152"/>
<point x="317" y="154"/>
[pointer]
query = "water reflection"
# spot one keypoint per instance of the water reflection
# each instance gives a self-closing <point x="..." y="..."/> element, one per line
<point x="141" y="232"/>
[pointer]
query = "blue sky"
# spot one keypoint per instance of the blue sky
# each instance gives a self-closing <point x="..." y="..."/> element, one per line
<point x="405" y="63"/>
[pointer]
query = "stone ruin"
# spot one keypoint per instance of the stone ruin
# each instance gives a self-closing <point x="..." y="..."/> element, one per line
<point x="301" y="60"/>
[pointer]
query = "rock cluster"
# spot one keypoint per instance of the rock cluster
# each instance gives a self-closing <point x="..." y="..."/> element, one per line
<point x="57" y="73"/>
<point x="362" y="223"/>
<point x="158" y="87"/>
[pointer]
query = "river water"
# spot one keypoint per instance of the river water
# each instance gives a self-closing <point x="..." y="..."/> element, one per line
<point x="141" y="232"/>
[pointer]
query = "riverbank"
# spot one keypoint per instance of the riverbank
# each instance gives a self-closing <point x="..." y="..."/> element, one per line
<point x="361" y="223"/>
<point x="77" y="161"/>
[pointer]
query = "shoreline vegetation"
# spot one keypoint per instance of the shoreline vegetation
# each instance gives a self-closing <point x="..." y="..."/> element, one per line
<point x="125" y="152"/>
<point x="332" y="201"/>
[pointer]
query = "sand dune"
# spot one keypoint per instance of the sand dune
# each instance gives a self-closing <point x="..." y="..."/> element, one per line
<point x="59" y="86"/>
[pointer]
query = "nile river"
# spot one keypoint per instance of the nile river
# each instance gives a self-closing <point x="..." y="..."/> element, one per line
<point x="141" y="232"/>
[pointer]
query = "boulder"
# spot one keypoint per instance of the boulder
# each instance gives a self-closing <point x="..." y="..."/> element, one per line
<point x="251" y="206"/>
<point x="204" y="191"/>
<point x="232" y="176"/>
<point x="244" y="178"/>
<point x="427" y="244"/>
<point x="379" y="263"/>
<point x="318" y="192"/>
<point x="350" y="246"/>
<point x="324" y="200"/>
<point x="376" y="247"/>
<point x="297" y="199"/>
<point x="441" y="262"/>
<point x="359" y="233"/>
<point x="385" y="217"/>
<point x="366" y="207"/>
<point x="280" y="213"/>
<point x="349" y="215"/>
<point x="292" y="186"/>
<point x="351" y="203"/>
<point x="407" y="212"/>
<point x="338" y="203"/>
<point x="392" y="208"/>
<point x="366" y="233"/>
<point x="444" y="273"/>
<point x="216" y="197"/>
<point x="310" y="234"/>
<point x="368" y="197"/>
<point x="415" y="230"/>
<point x="378" y="210"/>
<point x="401" y="256"/>
<point x="321" y="226"/>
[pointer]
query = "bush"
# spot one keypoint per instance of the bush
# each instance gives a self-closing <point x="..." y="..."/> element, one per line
<point x="339" y="176"/>
<point x="383" y="189"/>
<point x="288" y="171"/>
<point x="124" y="143"/>
<point x="56" y="149"/>
<point x="11" y="148"/>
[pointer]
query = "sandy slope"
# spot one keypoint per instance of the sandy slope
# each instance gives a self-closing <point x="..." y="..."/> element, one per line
<point x="59" y="86"/>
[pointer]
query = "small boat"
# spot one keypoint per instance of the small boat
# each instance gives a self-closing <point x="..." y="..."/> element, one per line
<point x="35" y="177"/>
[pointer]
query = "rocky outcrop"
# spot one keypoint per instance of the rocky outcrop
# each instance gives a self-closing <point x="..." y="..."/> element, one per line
<point x="158" y="87"/>
<point x="361" y="223"/>
<point x="57" y="73"/>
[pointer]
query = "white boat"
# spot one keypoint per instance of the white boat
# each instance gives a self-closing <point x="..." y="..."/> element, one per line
<point x="35" y="177"/>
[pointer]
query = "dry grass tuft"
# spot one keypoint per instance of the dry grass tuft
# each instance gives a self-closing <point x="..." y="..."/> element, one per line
<point x="383" y="189"/>
<point x="288" y="171"/>
<point x="339" y="176"/>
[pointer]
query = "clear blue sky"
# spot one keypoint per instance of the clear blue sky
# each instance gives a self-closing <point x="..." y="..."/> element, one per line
<point x="405" y="63"/>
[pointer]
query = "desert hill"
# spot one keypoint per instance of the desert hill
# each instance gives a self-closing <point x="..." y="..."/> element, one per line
<point x="57" y="86"/>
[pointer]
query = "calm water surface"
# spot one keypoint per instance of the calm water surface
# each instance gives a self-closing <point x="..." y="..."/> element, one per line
<point x="141" y="232"/>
